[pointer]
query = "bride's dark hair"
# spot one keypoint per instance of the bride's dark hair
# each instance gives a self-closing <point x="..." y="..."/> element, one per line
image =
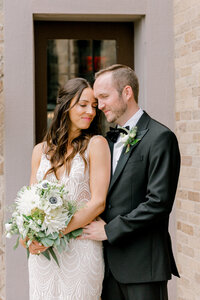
<point x="57" y="135"/>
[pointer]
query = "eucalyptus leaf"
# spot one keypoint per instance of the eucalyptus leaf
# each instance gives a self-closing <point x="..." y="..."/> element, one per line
<point x="53" y="236"/>
<point x="41" y="234"/>
<point x="77" y="232"/>
<point x="59" y="248"/>
<point x="66" y="237"/>
<point x="54" y="255"/>
<point x="46" y="254"/>
<point x="57" y="242"/>
<point x="47" y="242"/>
<point x="63" y="243"/>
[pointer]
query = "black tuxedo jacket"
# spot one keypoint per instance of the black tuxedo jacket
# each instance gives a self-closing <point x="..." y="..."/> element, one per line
<point x="139" y="201"/>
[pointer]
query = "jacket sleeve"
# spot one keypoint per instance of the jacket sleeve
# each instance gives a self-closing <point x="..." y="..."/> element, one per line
<point x="163" y="171"/>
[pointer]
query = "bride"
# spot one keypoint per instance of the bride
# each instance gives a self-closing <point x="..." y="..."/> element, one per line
<point x="74" y="154"/>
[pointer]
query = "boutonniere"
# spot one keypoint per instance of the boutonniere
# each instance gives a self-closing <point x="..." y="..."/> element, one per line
<point x="129" y="138"/>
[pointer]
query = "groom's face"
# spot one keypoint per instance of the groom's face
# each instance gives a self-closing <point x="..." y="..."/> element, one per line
<point x="109" y="100"/>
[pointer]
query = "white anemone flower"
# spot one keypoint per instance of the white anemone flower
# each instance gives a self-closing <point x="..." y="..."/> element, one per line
<point x="54" y="201"/>
<point x="44" y="184"/>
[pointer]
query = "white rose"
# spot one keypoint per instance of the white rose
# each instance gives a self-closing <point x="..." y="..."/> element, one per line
<point x="124" y="138"/>
<point x="133" y="134"/>
<point x="8" y="235"/>
<point x="8" y="226"/>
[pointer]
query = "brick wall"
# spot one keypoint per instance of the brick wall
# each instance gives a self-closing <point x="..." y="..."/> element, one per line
<point x="187" y="83"/>
<point x="2" y="242"/>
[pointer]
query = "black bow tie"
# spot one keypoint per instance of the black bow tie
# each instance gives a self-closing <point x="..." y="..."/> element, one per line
<point x="113" y="134"/>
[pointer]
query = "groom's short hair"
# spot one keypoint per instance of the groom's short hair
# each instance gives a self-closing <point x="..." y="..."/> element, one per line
<point x="122" y="75"/>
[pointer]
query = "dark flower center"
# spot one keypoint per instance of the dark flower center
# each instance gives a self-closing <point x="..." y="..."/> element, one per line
<point x="53" y="200"/>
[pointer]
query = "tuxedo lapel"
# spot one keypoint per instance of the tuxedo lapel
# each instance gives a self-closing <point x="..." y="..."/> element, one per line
<point x="142" y="130"/>
<point x="111" y="145"/>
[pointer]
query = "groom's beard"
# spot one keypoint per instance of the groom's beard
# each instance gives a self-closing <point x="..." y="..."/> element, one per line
<point x="114" y="115"/>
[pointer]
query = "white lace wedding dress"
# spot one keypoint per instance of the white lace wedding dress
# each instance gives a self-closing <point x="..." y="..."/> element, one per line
<point x="81" y="269"/>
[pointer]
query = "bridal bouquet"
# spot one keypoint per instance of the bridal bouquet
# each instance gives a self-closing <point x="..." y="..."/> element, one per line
<point x="41" y="212"/>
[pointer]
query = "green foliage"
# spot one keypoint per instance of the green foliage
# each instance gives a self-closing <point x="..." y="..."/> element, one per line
<point x="54" y="256"/>
<point x="47" y="242"/>
<point x="38" y="214"/>
<point x="46" y="254"/>
<point x="17" y="243"/>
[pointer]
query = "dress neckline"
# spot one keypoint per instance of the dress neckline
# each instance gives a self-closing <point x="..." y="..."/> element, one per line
<point x="64" y="175"/>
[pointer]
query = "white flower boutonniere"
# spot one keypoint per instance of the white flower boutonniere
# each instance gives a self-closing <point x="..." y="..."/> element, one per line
<point x="129" y="138"/>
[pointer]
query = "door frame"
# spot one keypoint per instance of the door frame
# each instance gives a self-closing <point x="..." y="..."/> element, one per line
<point x="122" y="32"/>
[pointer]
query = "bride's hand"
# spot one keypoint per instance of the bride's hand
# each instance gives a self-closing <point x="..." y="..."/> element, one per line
<point x="36" y="248"/>
<point x="23" y="242"/>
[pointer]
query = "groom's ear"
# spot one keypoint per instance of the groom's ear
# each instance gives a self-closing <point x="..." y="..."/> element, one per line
<point x="127" y="93"/>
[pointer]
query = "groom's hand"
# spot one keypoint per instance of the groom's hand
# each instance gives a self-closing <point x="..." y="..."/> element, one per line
<point x="94" y="231"/>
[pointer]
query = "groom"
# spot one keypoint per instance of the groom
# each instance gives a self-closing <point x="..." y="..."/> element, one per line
<point x="145" y="169"/>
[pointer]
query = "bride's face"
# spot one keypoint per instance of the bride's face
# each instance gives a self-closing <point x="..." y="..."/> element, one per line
<point x="83" y="112"/>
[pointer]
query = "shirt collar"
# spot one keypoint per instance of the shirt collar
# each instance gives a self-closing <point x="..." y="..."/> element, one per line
<point x="134" y="119"/>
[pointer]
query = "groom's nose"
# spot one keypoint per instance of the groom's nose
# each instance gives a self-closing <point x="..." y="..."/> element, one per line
<point x="101" y="105"/>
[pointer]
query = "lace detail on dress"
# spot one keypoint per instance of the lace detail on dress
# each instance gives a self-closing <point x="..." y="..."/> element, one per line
<point x="81" y="269"/>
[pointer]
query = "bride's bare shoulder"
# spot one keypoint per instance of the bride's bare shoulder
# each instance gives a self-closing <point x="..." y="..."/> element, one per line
<point x="38" y="150"/>
<point x="98" y="144"/>
<point x="97" y="140"/>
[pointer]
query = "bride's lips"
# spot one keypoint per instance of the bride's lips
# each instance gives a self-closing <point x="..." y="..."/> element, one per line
<point x="87" y="119"/>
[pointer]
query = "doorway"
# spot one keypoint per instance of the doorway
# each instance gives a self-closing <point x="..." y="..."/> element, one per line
<point x="65" y="50"/>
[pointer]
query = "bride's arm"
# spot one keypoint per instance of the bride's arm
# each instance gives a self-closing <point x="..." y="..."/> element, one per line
<point x="36" y="157"/>
<point x="99" y="160"/>
<point x="35" y="162"/>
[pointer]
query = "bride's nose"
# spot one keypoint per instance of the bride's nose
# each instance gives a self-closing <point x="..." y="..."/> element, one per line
<point x="90" y="110"/>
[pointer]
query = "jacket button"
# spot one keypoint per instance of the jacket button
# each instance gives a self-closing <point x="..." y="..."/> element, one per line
<point x="109" y="206"/>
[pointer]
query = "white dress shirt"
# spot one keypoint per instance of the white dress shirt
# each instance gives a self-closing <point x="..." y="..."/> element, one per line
<point x="118" y="146"/>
